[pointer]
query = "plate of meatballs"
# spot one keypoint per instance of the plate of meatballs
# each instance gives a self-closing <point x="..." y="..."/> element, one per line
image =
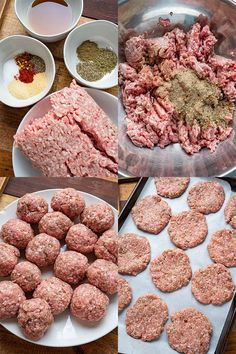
<point x="58" y="267"/>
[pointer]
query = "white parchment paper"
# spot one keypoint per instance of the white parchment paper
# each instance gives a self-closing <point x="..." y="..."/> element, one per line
<point x="182" y="298"/>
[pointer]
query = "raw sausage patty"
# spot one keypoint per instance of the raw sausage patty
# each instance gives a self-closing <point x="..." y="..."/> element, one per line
<point x="230" y="211"/>
<point x="124" y="293"/>
<point x="222" y="247"/>
<point x="171" y="187"/>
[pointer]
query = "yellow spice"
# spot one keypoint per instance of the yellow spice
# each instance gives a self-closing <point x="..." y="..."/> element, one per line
<point x="23" y="91"/>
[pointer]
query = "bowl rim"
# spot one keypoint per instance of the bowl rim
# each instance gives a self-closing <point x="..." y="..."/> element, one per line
<point x="80" y="79"/>
<point x="50" y="35"/>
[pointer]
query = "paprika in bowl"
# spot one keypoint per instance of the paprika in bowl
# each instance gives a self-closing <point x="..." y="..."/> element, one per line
<point x="27" y="71"/>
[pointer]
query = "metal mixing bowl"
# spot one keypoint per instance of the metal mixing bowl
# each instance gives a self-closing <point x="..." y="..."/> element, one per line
<point x="138" y="16"/>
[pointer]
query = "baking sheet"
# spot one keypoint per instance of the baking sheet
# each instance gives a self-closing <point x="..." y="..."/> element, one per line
<point x="182" y="298"/>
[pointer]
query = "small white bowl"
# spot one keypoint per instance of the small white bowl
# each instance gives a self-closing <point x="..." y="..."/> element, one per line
<point x="105" y="34"/>
<point x="22" y="8"/>
<point x="9" y="48"/>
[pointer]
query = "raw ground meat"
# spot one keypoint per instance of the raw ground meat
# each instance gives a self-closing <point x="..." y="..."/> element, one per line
<point x="17" y="233"/>
<point x="171" y="187"/>
<point x="171" y="270"/>
<point x="31" y="208"/>
<point x="151" y="214"/>
<point x="69" y="202"/>
<point x="206" y="197"/>
<point x="81" y="239"/>
<point x="55" y="224"/>
<point x="188" y="229"/>
<point x="213" y="285"/>
<point x="27" y="275"/>
<point x="8" y="258"/>
<point x="134" y="253"/>
<point x="11" y="296"/>
<point x="98" y="217"/>
<point x="104" y="275"/>
<point x="107" y="246"/>
<point x="222" y="247"/>
<point x="190" y="332"/>
<point x="75" y="138"/>
<point x="230" y="211"/>
<point x="146" y="319"/>
<point x="124" y="293"/>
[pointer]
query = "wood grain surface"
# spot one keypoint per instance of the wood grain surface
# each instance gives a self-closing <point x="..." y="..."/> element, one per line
<point x="10" y="118"/>
<point x="107" y="189"/>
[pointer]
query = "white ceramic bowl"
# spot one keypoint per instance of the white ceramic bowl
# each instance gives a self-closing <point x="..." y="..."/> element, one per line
<point x="21" y="10"/>
<point x="9" y="48"/>
<point x="104" y="33"/>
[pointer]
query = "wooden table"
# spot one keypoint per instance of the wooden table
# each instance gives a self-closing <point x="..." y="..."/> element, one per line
<point x="125" y="190"/>
<point x="10" y="118"/>
<point x="107" y="189"/>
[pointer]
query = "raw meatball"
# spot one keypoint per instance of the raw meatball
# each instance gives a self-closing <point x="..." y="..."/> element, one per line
<point x="11" y="296"/>
<point x="27" y="275"/>
<point x="171" y="187"/>
<point x="81" y="239"/>
<point x="69" y="201"/>
<point x="89" y="303"/>
<point x="56" y="292"/>
<point x="134" y="254"/>
<point x="222" y="247"/>
<point x="147" y="318"/>
<point x="71" y="266"/>
<point x="107" y="246"/>
<point x="124" y="293"/>
<point x="8" y="259"/>
<point x="43" y="250"/>
<point x="230" y="211"/>
<point x="55" y="224"/>
<point x="31" y="208"/>
<point x="104" y="275"/>
<point x="34" y="318"/>
<point x="190" y="332"/>
<point x="98" y="217"/>
<point x="17" y="233"/>
<point x="151" y="214"/>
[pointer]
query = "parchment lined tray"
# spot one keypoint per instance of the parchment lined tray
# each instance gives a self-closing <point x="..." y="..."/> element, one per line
<point x="182" y="298"/>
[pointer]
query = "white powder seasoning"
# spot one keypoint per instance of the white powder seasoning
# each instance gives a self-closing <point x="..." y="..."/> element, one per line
<point x="10" y="70"/>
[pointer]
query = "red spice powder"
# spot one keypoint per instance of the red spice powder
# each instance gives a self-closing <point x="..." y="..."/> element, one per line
<point x="26" y="76"/>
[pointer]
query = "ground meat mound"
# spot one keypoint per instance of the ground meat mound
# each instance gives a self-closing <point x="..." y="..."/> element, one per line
<point x="8" y="259"/>
<point x="134" y="254"/>
<point x="107" y="246"/>
<point x="222" y="247"/>
<point x="206" y="197"/>
<point x="68" y="201"/>
<point x="171" y="270"/>
<point x="188" y="229"/>
<point x="34" y="318"/>
<point x="56" y="292"/>
<point x="31" y="208"/>
<point x="81" y="239"/>
<point x="27" y="275"/>
<point x="190" y="332"/>
<point x="17" y="233"/>
<point x="151" y="214"/>
<point x="171" y="187"/>
<point x="230" y="211"/>
<point x="11" y="296"/>
<point x="55" y="224"/>
<point x="104" y="275"/>
<point x="124" y="293"/>
<point x="98" y="217"/>
<point x="212" y="285"/>
<point x="89" y="303"/>
<point x="146" y="319"/>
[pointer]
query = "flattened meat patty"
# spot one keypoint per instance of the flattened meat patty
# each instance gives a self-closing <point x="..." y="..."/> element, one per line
<point x="206" y="197"/>
<point x="230" y="211"/>
<point x="124" y="293"/>
<point x="171" y="270"/>
<point x="171" y="187"/>
<point x="134" y="254"/>
<point x="146" y="319"/>
<point x="222" y="247"/>
<point x="188" y="229"/>
<point x="190" y="332"/>
<point x="212" y="285"/>
<point x="151" y="214"/>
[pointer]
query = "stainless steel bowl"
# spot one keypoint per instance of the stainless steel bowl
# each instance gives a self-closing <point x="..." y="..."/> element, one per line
<point x="138" y="16"/>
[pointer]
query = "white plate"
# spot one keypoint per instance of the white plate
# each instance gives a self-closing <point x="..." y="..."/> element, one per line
<point x="66" y="331"/>
<point x="21" y="165"/>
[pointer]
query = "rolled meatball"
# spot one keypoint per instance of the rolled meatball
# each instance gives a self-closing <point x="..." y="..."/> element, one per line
<point x="17" y="233"/>
<point x="34" y="318"/>
<point x="69" y="201"/>
<point x="104" y="275"/>
<point x="89" y="303"/>
<point x="11" y="296"/>
<point x="27" y="275"/>
<point x="31" y="208"/>
<point x="71" y="266"/>
<point x="107" y="246"/>
<point x="81" y="239"/>
<point x="8" y="258"/>
<point x="56" y="292"/>
<point x="43" y="250"/>
<point x="55" y="224"/>
<point x="98" y="217"/>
